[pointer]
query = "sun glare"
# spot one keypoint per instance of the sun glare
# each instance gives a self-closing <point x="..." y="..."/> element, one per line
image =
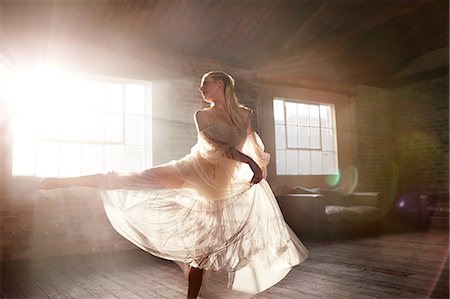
<point x="65" y="124"/>
<point x="39" y="102"/>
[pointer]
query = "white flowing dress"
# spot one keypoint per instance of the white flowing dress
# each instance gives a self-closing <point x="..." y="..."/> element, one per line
<point x="217" y="220"/>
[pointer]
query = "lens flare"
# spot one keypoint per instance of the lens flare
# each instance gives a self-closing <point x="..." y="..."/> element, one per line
<point x="333" y="180"/>
<point x="346" y="180"/>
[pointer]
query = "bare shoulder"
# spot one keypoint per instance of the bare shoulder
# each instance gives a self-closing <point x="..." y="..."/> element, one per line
<point x="245" y="111"/>
<point x="201" y="118"/>
<point x="201" y="113"/>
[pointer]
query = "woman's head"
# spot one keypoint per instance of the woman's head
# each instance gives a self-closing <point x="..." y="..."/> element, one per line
<point x="226" y="79"/>
<point x="218" y="83"/>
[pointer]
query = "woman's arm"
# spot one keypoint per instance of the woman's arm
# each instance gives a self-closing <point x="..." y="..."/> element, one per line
<point x="201" y="121"/>
<point x="236" y="155"/>
<point x="86" y="181"/>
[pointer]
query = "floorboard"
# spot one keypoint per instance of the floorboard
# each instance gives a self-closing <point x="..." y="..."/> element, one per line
<point x="396" y="265"/>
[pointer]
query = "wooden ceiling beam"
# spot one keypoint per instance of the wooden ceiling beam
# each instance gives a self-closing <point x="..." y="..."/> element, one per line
<point x="340" y="40"/>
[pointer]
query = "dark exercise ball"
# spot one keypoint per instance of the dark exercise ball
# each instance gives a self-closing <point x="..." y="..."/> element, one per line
<point x="410" y="209"/>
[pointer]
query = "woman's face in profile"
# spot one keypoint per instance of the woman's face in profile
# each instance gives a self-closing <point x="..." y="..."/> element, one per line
<point x="210" y="88"/>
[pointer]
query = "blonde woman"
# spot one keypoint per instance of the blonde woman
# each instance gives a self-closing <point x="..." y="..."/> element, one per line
<point x="212" y="212"/>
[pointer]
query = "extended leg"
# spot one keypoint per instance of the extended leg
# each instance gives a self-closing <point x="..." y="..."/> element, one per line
<point x="195" y="282"/>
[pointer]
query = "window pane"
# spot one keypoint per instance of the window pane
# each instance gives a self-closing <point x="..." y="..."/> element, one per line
<point x="281" y="161"/>
<point x="135" y="130"/>
<point x="70" y="159"/>
<point x="292" y="162"/>
<point x="71" y="126"/>
<point x="135" y="99"/>
<point x="135" y="157"/>
<point x="316" y="162"/>
<point x="291" y="113"/>
<point x="327" y="140"/>
<point x="47" y="127"/>
<point x="303" y="137"/>
<point x="278" y="111"/>
<point x="292" y="136"/>
<point x="47" y="159"/>
<point x="314" y="138"/>
<point x="93" y="126"/>
<point x="113" y="127"/>
<point x="92" y="158"/>
<point x="314" y="115"/>
<point x="305" y="162"/>
<point x="23" y="155"/>
<point x="329" y="163"/>
<point x="114" y="97"/>
<point x="325" y="116"/>
<point x="303" y="114"/>
<point x="114" y="157"/>
<point x="280" y="137"/>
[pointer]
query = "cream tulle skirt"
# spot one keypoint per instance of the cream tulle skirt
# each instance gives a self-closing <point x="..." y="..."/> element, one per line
<point x="246" y="238"/>
<point x="236" y="234"/>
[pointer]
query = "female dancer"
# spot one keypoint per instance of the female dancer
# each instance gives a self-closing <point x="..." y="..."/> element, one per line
<point x="210" y="211"/>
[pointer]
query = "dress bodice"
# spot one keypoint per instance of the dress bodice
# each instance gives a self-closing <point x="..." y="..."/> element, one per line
<point x="222" y="134"/>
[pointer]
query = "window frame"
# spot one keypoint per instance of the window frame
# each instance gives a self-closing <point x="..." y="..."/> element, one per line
<point x="298" y="148"/>
<point x="60" y="141"/>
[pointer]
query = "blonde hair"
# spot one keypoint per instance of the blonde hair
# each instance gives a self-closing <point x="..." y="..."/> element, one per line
<point x="231" y="102"/>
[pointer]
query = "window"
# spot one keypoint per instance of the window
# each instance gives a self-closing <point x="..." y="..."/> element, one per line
<point x="305" y="138"/>
<point x="77" y="125"/>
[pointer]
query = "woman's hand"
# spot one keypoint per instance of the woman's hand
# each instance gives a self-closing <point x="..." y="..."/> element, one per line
<point x="238" y="156"/>
<point x="85" y="181"/>
<point x="50" y="183"/>
<point x="257" y="172"/>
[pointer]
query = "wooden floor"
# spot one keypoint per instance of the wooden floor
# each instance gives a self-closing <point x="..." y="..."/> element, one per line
<point x="402" y="265"/>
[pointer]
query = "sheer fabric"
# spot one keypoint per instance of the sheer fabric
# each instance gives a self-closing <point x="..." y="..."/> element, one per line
<point x="201" y="211"/>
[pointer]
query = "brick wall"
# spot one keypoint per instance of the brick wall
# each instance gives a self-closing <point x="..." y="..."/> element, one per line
<point x="421" y="133"/>
<point x="66" y="221"/>
<point x="173" y="124"/>
<point x="402" y="139"/>
<point x="374" y="141"/>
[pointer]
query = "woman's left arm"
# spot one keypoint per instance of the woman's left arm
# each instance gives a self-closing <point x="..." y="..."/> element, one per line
<point x="236" y="155"/>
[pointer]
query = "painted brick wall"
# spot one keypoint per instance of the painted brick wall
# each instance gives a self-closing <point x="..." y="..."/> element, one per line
<point x="174" y="105"/>
<point x="402" y="139"/>
<point x="421" y="133"/>
<point x="374" y="141"/>
<point x="70" y="221"/>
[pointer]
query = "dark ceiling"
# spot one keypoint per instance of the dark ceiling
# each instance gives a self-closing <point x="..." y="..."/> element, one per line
<point x="378" y="43"/>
